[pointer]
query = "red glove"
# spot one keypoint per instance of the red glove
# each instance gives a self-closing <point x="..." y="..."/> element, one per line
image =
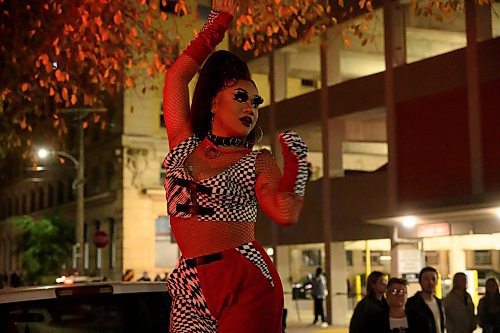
<point x="210" y="35"/>
<point x="294" y="152"/>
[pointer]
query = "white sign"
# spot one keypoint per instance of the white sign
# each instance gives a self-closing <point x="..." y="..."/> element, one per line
<point x="409" y="260"/>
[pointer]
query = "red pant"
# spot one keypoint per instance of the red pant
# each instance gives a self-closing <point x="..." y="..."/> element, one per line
<point x="235" y="290"/>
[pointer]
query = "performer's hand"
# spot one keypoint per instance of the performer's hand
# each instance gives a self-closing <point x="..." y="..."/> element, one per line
<point x="228" y="6"/>
<point x="294" y="152"/>
<point x="292" y="143"/>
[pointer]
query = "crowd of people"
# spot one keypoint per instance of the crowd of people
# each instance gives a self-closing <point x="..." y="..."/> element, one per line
<point x="386" y="307"/>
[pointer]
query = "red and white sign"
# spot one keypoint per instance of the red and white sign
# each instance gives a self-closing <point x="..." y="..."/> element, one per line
<point x="433" y="230"/>
<point x="101" y="238"/>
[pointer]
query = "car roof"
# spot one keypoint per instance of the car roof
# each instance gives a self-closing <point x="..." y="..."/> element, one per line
<point x="46" y="292"/>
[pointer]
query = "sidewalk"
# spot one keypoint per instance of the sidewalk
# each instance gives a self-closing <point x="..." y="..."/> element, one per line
<point x="300" y="316"/>
<point x="304" y="328"/>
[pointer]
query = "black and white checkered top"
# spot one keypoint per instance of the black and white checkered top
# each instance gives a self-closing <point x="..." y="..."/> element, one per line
<point x="227" y="196"/>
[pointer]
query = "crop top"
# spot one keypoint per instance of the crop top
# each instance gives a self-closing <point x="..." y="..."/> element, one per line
<point x="227" y="196"/>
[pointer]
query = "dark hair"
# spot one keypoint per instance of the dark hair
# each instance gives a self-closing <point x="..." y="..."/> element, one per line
<point x="426" y="269"/>
<point x="395" y="280"/>
<point x="319" y="270"/>
<point x="221" y="69"/>
<point x="494" y="280"/>
<point x="370" y="281"/>
<point x="455" y="278"/>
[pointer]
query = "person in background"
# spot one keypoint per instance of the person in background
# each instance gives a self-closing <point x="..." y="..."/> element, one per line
<point x="319" y="292"/>
<point x="424" y="310"/>
<point x="489" y="308"/>
<point x="371" y="313"/>
<point x="458" y="306"/>
<point x="396" y="298"/>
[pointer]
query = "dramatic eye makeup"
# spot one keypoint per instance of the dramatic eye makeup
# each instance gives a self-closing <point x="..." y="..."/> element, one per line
<point x="241" y="95"/>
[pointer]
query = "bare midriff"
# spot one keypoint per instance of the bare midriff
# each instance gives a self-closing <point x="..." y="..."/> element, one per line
<point x="196" y="238"/>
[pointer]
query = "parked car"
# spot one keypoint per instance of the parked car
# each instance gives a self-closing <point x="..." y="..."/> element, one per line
<point x="104" y="307"/>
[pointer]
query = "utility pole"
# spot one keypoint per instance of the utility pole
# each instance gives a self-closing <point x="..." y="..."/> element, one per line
<point x="80" y="185"/>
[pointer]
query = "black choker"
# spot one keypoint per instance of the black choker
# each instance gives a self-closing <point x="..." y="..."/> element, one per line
<point x="235" y="141"/>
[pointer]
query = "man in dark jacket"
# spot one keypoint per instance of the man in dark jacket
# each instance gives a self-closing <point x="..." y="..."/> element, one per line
<point x="424" y="310"/>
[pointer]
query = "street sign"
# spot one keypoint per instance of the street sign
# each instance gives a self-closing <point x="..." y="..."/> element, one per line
<point x="101" y="238"/>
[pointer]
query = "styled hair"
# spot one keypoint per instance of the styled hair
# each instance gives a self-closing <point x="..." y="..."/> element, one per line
<point x="395" y="280"/>
<point x="371" y="281"/>
<point x="221" y="69"/>
<point x="426" y="269"/>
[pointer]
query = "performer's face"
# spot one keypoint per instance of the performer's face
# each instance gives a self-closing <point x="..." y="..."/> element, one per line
<point x="235" y="109"/>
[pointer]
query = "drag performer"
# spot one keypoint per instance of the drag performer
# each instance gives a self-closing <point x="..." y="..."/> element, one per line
<point x="224" y="282"/>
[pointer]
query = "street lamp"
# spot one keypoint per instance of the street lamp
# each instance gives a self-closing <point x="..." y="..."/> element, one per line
<point x="78" y="185"/>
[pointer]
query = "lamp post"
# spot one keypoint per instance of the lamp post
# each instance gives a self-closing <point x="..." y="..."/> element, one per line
<point x="79" y="183"/>
<point x="78" y="186"/>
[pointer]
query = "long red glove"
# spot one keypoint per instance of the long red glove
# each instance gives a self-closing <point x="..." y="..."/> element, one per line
<point x="210" y="35"/>
<point x="294" y="152"/>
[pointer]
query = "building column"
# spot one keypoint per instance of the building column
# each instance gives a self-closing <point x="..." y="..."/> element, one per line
<point x="278" y="68"/>
<point x="395" y="55"/>
<point x="478" y="27"/>
<point x="456" y="256"/>
<point x="280" y="64"/>
<point x="284" y="270"/>
<point x="337" y="137"/>
<point x="333" y="44"/>
<point x="338" y="293"/>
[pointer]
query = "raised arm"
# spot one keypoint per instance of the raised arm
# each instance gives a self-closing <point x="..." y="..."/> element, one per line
<point x="178" y="76"/>
<point x="281" y="195"/>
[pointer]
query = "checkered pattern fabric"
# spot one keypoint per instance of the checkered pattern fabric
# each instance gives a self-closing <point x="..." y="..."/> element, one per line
<point x="233" y="190"/>
<point x="251" y="253"/>
<point x="299" y="149"/>
<point x="190" y="313"/>
<point x="174" y="167"/>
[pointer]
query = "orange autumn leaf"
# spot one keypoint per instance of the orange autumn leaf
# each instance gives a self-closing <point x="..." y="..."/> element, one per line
<point x="24" y="87"/>
<point x="44" y="58"/>
<point x="118" y="18"/>
<point x="247" y="46"/>
<point x="129" y="82"/>
<point x="60" y="77"/>
<point x="64" y="93"/>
